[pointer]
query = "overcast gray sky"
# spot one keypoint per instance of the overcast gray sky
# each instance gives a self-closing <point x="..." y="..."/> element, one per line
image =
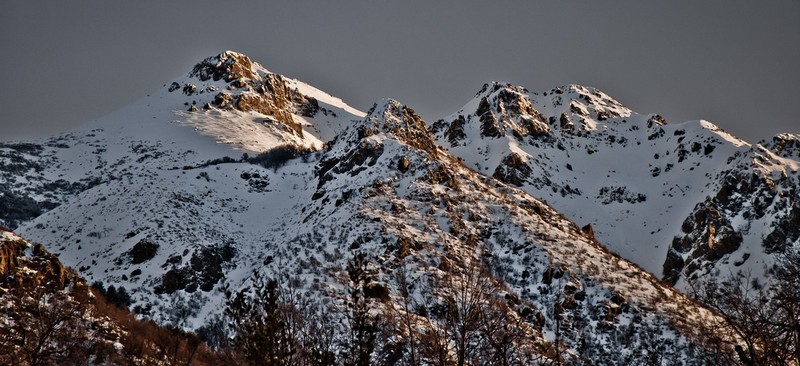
<point x="735" y="63"/>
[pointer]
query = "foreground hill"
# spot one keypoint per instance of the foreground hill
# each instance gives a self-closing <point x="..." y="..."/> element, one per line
<point x="50" y="316"/>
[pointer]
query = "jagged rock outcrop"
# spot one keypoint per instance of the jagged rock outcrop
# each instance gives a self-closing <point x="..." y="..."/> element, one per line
<point x="228" y="66"/>
<point x="513" y="170"/>
<point x="248" y="90"/>
<point x="786" y="145"/>
<point x="506" y="109"/>
<point x="354" y="150"/>
<point x="501" y="110"/>
<point x="389" y="116"/>
<point x="454" y="131"/>
<point x="709" y="227"/>
<point x="25" y="264"/>
<point x="757" y="199"/>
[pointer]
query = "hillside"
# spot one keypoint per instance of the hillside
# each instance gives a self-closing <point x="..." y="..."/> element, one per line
<point x="49" y="315"/>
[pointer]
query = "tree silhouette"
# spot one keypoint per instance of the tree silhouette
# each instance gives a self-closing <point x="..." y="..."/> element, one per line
<point x="764" y="319"/>
<point x="260" y="324"/>
<point x="363" y="326"/>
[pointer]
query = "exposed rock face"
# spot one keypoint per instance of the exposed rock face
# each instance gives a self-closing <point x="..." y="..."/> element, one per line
<point x="520" y="115"/>
<point x="585" y="107"/>
<point x="490" y="127"/>
<point x="228" y="66"/>
<point x="565" y="122"/>
<point x="513" y="170"/>
<point x="747" y="195"/>
<point x="387" y="117"/>
<point x="708" y="226"/>
<point x="267" y="94"/>
<point x="21" y="265"/>
<point x="272" y="97"/>
<point x="656" y="120"/>
<point x="502" y="110"/>
<point x="364" y="155"/>
<point x="391" y="117"/>
<point x="786" y="145"/>
<point x="362" y="145"/>
<point x="204" y="270"/>
<point x="9" y="254"/>
<point x="143" y="251"/>
<point x="453" y="131"/>
<point x="403" y="164"/>
<point x="785" y="231"/>
<point x="589" y="232"/>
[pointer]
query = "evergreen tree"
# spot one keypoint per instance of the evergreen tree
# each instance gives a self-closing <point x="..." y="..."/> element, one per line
<point x="261" y="330"/>
<point x="363" y="326"/>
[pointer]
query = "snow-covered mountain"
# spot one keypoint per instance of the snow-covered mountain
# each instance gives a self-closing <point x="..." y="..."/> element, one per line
<point x="679" y="200"/>
<point x="233" y="170"/>
<point x="226" y="106"/>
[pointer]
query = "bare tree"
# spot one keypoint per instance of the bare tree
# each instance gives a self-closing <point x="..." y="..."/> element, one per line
<point x="47" y="327"/>
<point x="504" y="333"/>
<point x="466" y="297"/>
<point x="319" y="337"/>
<point x="765" y="319"/>
<point x="434" y="342"/>
<point x="405" y="321"/>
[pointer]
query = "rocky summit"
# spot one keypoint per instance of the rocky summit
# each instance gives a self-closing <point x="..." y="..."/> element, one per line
<point x="554" y="227"/>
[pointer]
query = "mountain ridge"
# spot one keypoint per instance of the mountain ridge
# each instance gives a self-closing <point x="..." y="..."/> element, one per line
<point x="165" y="210"/>
<point x="553" y="165"/>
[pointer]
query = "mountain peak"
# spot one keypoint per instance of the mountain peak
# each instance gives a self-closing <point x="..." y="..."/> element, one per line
<point x="250" y="88"/>
<point x="385" y="107"/>
<point x="228" y="65"/>
<point x="500" y="109"/>
<point x="786" y="145"/>
<point x="495" y="86"/>
<point x="392" y="117"/>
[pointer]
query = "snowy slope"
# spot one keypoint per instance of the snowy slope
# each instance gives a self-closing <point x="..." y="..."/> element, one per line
<point x="218" y="110"/>
<point x="174" y="238"/>
<point x="633" y="177"/>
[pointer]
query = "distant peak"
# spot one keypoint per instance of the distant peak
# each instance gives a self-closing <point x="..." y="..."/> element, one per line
<point x="228" y="65"/>
<point x="392" y="117"/>
<point x="386" y="107"/>
<point x="501" y="108"/>
<point x="785" y="136"/>
<point x="232" y="54"/>
<point x="786" y="145"/>
<point x="587" y="94"/>
<point x="495" y="86"/>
